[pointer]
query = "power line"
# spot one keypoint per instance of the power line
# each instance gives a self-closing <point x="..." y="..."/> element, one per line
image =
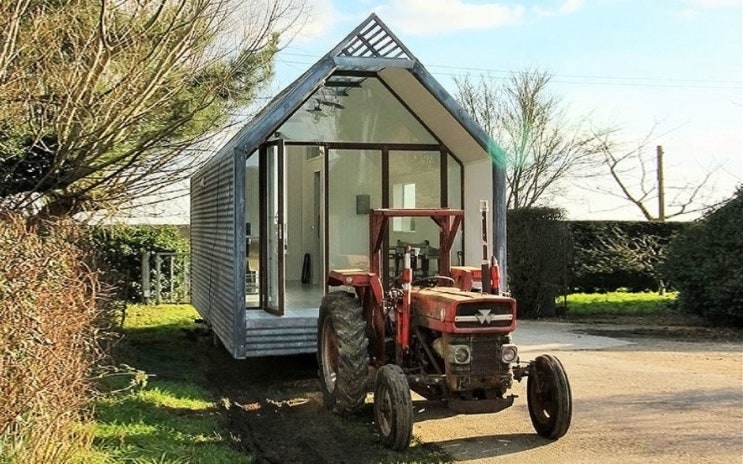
<point x="630" y="81"/>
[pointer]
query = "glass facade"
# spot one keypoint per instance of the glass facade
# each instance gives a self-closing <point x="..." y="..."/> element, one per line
<point x="415" y="182"/>
<point x="354" y="186"/>
<point x="252" y="232"/>
<point x="369" y="113"/>
<point x="348" y="149"/>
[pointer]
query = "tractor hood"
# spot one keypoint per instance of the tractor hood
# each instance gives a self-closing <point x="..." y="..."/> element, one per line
<point x="451" y="310"/>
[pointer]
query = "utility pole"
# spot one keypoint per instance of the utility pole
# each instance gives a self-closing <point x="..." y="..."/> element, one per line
<point x="661" y="187"/>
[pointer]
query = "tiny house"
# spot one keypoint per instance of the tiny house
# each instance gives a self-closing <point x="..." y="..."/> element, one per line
<point x="287" y="198"/>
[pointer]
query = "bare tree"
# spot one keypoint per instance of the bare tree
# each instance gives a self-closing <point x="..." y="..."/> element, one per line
<point x="542" y="148"/>
<point x="102" y="102"/>
<point x="633" y="168"/>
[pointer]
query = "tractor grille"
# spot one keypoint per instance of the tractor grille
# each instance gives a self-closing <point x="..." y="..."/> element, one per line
<point x="483" y="315"/>
<point x="485" y="354"/>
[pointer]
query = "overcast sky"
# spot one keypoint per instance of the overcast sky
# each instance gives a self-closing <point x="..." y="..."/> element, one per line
<point x="631" y="64"/>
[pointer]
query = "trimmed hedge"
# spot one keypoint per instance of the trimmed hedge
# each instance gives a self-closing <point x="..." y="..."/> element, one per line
<point x="548" y="256"/>
<point x="705" y="264"/>
<point x="538" y="255"/>
<point x="609" y="255"/>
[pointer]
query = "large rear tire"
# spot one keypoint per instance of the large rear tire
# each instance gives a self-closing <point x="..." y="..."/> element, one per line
<point x="549" y="397"/>
<point x="342" y="352"/>
<point x="393" y="407"/>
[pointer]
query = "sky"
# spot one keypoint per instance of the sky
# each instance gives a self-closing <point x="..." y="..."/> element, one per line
<point x="673" y="68"/>
<point x="669" y="68"/>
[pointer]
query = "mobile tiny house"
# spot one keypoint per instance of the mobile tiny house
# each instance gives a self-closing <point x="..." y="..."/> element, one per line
<point x="288" y="197"/>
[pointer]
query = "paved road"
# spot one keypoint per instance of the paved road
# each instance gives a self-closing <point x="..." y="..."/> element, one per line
<point x="636" y="400"/>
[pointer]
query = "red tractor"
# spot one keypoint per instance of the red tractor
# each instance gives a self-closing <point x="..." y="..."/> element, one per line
<point x="446" y="337"/>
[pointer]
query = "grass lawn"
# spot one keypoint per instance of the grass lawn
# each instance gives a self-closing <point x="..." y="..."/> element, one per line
<point x="619" y="304"/>
<point x="173" y="418"/>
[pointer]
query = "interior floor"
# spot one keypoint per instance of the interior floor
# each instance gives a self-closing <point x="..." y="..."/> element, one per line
<point x="299" y="297"/>
<point x="303" y="296"/>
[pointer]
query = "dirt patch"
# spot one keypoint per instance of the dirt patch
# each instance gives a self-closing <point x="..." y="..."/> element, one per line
<point x="273" y="408"/>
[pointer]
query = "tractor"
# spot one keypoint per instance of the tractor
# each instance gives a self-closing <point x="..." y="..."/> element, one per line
<point x="445" y="336"/>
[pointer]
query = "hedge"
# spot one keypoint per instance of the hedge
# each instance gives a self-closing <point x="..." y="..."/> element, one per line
<point x="538" y="254"/>
<point x="548" y="256"/>
<point x="610" y="255"/>
<point x="705" y="264"/>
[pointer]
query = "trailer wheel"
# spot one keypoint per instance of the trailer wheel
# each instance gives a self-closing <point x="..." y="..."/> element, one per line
<point x="342" y="352"/>
<point x="549" y="398"/>
<point x="393" y="408"/>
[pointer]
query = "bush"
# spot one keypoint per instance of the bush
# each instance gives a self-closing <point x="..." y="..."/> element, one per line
<point x="538" y="254"/>
<point x="609" y="255"/>
<point x="48" y="342"/>
<point x="705" y="264"/>
<point x="119" y="250"/>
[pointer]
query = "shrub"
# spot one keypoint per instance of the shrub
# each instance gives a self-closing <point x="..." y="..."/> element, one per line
<point x="609" y="255"/>
<point x="538" y="253"/>
<point x="119" y="250"/>
<point x="705" y="264"/>
<point x="48" y="341"/>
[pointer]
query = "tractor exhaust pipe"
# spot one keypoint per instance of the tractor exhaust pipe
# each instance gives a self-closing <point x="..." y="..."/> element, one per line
<point x="487" y="285"/>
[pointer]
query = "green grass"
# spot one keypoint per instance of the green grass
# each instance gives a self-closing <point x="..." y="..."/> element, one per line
<point x="173" y="418"/>
<point x="619" y="304"/>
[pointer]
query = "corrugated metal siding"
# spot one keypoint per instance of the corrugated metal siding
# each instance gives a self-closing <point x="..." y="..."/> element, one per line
<point x="281" y="335"/>
<point x="215" y="251"/>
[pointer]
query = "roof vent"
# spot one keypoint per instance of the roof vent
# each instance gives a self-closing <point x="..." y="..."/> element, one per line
<point x="373" y="40"/>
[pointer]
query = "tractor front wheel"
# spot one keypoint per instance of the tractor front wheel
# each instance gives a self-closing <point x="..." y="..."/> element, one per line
<point x="549" y="398"/>
<point x="342" y="352"/>
<point x="393" y="407"/>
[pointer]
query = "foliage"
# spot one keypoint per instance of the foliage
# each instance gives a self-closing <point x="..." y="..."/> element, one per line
<point x="705" y="264"/>
<point x="608" y="255"/>
<point x="103" y="102"/>
<point x="48" y="342"/>
<point x="119" y="249"/>
<point x="538" y="247"/>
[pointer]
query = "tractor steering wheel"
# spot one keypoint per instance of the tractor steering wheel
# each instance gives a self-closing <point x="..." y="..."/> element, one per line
<point x="431" y="281"/>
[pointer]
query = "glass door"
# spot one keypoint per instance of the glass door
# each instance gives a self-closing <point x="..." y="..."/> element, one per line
<point x="273" y="227"/>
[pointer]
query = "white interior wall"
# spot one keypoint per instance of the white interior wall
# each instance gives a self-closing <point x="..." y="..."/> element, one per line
<point x="294" y="189"/>
<point x="477" y="186"/>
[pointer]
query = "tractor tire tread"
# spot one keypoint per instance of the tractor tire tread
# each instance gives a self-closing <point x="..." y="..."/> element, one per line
<point x="558" y="425"/>
<point x="392" y="378"/>
<point x="353" y="356"/>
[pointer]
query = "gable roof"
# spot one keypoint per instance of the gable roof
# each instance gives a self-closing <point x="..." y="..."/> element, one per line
<point x="372" y="48"/>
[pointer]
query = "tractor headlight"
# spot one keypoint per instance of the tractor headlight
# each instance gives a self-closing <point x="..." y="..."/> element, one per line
<point x="460" y="354"/>
<point x="509" y="353"/>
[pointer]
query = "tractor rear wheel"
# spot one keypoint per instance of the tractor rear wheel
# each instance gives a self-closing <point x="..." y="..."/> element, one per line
<point x="342" y="352"/>
<point x="393" y="407"/>
<point x="549" y="398"/>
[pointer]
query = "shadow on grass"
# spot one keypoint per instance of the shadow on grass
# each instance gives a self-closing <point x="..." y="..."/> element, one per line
<point x="167" y="421"/>
<point x="167" y="352"/>
<point x="174" y="418"/>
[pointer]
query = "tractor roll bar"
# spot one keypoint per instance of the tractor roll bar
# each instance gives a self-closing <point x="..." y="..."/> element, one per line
<point x="449" y="220"/>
